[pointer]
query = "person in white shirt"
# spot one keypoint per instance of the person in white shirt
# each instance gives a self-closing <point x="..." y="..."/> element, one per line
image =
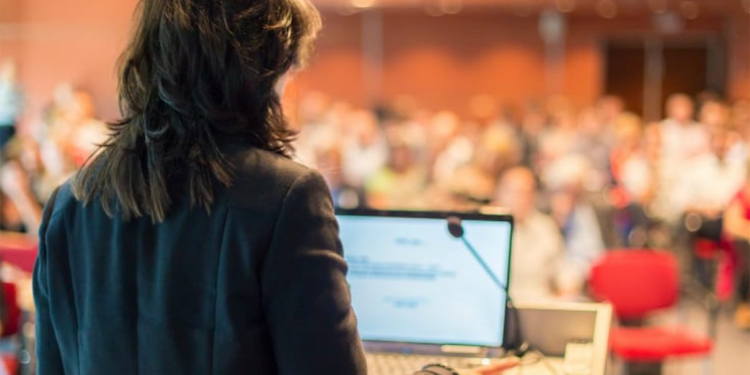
<point x="683" y="137"/>
<point x="365" y="150"/>
<point x="713" y="179"/>
<point x="537" y="265"/>
<point x="635" y="158"/>
<point x="316" y="133"/>
<point x="566" y="181"/>
<point x="450" y="149"/>
<point x="683" y="140"/>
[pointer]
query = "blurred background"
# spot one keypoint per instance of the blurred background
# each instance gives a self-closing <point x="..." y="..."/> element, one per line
<point x="601" y="125"/>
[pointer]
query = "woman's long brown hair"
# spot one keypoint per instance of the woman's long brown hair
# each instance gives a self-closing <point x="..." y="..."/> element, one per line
<point x="195" y="70"/>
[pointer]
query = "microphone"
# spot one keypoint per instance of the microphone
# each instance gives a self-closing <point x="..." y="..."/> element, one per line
<point x="456" y="229"/>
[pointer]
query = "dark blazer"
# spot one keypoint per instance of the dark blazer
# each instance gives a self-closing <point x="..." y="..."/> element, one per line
<point x="256" y="287"/>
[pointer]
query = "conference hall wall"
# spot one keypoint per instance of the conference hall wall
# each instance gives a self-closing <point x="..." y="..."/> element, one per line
<point x="440" y="62"/>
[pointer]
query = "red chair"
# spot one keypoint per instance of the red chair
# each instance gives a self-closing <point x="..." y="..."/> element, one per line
<point x="18" y="250"/>
<point x="13" y="312"/>
<point x="636" y="283"/>
<point x="11" y="364"/>
<point x="11" y="325"/>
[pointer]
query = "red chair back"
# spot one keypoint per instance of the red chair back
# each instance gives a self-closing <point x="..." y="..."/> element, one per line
<point x="636" y="282"/>
<point x="11" y="363"/>
<point x="12" y="323"/>
<point x="18" y="250"/>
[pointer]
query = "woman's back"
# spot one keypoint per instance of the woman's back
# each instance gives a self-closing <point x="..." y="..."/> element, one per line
<point x="200" y="294"/>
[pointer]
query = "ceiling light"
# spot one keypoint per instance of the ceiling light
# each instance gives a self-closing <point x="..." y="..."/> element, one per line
<point x="451" y="6"/>
<point x="658" y="6"/>
<point x="363" y="4"/>
<point x="690" y="9"/>
<point x="565" y="6"/>
<point x="607" y="9"/>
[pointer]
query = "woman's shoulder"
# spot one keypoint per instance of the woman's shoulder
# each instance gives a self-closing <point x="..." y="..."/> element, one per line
<point x="257" y="164"/>
<point x="260" y="173"/>
<point x="60" y="201"/>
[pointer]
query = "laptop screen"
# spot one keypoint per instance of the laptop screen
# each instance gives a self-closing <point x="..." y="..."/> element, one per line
<point x="412" y="282"/>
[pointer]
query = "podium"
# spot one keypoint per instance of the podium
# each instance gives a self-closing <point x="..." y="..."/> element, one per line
<point x="551" y="328"/>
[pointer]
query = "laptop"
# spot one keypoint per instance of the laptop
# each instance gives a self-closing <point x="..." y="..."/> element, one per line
<point x="420" y="295"/>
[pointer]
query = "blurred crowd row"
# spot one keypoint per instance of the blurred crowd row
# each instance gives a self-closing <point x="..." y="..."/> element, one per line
<point x="578" y="180"/>
<point x="40" y="156"/>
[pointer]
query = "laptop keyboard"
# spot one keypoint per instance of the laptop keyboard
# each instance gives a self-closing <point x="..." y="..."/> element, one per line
<point x="406" y="364"/>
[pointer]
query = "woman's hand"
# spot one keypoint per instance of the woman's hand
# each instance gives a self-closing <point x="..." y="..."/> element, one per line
<point x="493" y="369"/>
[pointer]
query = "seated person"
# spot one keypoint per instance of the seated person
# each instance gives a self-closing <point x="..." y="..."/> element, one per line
<point x="682" y="140"/>
<point x="574" y="214"/>
<point x="712" y="180"/>
<point x="21" y="176"/>
<point x="400" y="183"/>
<point x="477" y="180"/>
<point x="737" y="225"/>
<point x="364" y="149"/>
<point x="538" y="263"/>
<point x="707" y="188"/>
<point x="329" y="163"/>
<point x="635" y="172"/>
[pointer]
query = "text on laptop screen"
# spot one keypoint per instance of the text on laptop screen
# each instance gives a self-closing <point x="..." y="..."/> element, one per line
<point x="412" y="282"/>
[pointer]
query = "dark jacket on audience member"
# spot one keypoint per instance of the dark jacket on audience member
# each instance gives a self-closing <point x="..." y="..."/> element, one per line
<point x="258" y="287"/>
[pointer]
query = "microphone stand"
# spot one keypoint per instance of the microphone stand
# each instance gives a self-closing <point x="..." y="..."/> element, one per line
<point x="518" y="346"/>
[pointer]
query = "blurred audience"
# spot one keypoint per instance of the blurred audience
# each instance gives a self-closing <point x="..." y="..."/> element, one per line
<point x="35" y="162"/>
<point x="21" y="176"/>
<point x="594" y="177"/>
<point x="570" y="175"/>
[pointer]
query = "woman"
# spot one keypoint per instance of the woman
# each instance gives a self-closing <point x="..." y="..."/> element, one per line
<point x="191" y="243"/>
